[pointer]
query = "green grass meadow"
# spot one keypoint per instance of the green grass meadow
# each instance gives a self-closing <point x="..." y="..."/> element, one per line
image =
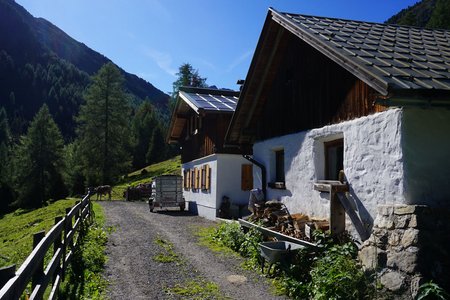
<point x="17" y="229"/>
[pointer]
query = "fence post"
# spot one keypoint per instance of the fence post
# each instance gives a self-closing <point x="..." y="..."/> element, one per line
<point x="37" y="276"/>
<point x="6" y="273"/>
<point x="57" y="245"/>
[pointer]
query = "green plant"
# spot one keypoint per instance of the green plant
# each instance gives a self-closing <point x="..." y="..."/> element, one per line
<point x="431" y="290"/>
<point x="232" y="236"/>
<point x="168" y="255"/>
<point x="338" y="276"/>
<point x="85" y="280"/>
<point x="196" y="289"/>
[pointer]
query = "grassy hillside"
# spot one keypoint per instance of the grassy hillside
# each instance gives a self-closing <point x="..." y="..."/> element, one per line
<point x="17" y="229"/>
<point x="170" y="166"/>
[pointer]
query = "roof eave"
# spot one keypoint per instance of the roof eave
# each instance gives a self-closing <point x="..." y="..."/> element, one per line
<point x="356" y="69"/>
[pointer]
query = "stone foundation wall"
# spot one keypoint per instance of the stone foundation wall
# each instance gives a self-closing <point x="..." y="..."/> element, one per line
<point x="409" y="245"/>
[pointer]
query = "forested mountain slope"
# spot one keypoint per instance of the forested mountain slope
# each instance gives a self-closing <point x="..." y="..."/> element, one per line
<point x="425" y="13"/>
<point x="39" y="63"/>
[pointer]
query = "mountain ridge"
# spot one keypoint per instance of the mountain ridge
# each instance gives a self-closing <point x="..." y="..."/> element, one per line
<point x="40" y="63"/>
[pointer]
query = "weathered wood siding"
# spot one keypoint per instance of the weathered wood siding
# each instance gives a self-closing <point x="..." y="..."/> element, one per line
<point x="208" y="140"/>
<point x="311" y="91"/>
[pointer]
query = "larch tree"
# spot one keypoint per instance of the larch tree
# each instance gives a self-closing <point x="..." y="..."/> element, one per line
<point x="186" y="76"/>
<point x="103" y="130"/>
<point x="144" y="123"/>
<point x="39" y="162"/>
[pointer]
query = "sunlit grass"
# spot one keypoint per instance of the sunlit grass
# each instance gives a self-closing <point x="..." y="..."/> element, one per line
<point x="168" y="167"/>
<point x="17" y="229"/>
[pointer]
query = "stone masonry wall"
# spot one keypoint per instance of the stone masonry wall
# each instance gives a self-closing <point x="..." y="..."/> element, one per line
<point x="409" y="245"/>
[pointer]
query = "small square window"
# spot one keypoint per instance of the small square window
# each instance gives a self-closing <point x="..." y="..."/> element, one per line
<point x="334" y="159"/>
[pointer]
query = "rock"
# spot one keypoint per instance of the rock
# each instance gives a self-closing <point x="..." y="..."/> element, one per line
<point x="404" y="209"/>
<point x="372" y="257"/>
<point x="415" y="284"/>
<point x="393" y="281"/>
<point x="405" y="260"/>
<point x="395" y="237"/>
<point x="410" y="237"/>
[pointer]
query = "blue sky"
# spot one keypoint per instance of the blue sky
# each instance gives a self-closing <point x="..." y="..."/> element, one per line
<point x="152" y="38"/>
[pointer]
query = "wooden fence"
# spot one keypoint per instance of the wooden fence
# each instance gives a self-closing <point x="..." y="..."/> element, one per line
<point x="64" y="237"/>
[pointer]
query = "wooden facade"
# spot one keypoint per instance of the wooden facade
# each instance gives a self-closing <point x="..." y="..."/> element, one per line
<point x="206" y="138"/>
<point x="311" y="91"/>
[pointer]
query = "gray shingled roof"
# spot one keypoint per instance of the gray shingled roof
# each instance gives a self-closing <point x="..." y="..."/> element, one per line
<point x="386" y="56"/>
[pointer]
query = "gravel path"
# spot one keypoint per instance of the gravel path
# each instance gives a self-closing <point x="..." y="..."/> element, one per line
<point x="134" y="274"/>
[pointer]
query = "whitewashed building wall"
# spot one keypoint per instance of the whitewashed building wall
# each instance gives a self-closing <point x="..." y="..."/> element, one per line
<point x="372" y="164"/>
<point x="225" y="181"/>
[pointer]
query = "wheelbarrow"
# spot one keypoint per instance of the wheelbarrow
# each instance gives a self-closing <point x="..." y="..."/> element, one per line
<point x="277" y="252"/>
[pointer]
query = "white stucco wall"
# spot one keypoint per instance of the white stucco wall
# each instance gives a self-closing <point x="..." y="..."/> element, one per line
<point x="225" y="181"/>
<point x="372" y="164"/>
<point x="426" y="144"/>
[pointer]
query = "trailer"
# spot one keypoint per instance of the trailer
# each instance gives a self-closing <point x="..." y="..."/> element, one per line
<point x="167" y="191"/>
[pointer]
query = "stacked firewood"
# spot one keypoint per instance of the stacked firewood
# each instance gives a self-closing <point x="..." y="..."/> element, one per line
<point x="274" y="215"/>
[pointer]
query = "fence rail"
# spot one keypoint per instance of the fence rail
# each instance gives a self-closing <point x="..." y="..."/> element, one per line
<point x="64" y="240"/>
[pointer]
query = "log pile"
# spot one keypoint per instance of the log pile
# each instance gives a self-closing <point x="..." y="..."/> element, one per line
<point x="274" y="215"/>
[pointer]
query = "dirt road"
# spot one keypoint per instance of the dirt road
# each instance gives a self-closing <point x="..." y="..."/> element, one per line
<point x="134" y="273"/>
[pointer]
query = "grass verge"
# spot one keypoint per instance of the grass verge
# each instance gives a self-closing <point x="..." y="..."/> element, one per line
<point x="84" y="278"/>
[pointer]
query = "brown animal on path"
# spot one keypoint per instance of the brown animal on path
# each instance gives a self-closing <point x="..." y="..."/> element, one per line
<point x="103" y="190"/>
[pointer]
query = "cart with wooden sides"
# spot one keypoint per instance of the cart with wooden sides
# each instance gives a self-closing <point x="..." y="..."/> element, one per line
<point x="167" y="191"/>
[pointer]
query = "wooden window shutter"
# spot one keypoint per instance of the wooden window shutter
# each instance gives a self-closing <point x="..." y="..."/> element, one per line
<point x="247" y="177"/>
<point x="203" y="177"/>
<point x="197" y="178"/>
<point x="192" y="177"/>
<point x="208" y="177"/>
<point x="188" y="179"/>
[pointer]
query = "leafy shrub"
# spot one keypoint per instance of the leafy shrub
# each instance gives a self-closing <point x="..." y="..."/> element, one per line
<point x="232" y="236"/>
<point x="337" y="276"/>
<point x="431" y="290"/>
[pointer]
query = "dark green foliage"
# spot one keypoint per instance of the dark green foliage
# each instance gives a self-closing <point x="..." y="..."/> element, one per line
<point x="40" y="64"/>
<point x="440" y="18"/>
<point x="73" y="171"/>
<point x="104" y="128"/>
<point x="426" y="13"/>
<point x="6" y="192"/>
<point x="186" y="76"/>
<point x="39" y="162"/>
<point x="157" y="148"/>
<point x="143" y="126"/>
<point x="432" y="291"/>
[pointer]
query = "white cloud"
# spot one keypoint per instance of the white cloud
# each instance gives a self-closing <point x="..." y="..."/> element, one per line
<point x="239" y="60"/>
<point x="163" y="60"/>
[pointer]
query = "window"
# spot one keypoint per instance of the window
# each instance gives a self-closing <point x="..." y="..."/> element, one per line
<point x="278" y="177"/>
<point x="246" y="177"/>
<point x="279" y="165"/>
<point x="334" y="159"/>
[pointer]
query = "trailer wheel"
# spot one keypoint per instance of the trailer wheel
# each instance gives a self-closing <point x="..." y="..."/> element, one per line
<point x="182" y="206"/>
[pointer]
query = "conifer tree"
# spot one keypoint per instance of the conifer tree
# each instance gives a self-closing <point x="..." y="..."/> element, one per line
<point x="103" y="130"/>
<point x="144" y="123"/>
<point x="157" y="148"/>
<point x="39" y="162"/>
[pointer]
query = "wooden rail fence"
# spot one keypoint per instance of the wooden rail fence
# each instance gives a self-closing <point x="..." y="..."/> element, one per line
<point x="64" y="240"/>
